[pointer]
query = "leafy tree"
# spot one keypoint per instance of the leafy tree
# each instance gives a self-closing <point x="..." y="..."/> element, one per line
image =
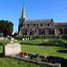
<point x="6" y="27"/>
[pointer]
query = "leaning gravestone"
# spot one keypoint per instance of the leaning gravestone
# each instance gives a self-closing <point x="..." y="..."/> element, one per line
<point x="11" y="49"/>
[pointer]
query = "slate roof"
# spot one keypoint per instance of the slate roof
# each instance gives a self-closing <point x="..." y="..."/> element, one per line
<point x="42" y="21"/>
<point x="61" y="24"/>
<point x="46" y="21"/>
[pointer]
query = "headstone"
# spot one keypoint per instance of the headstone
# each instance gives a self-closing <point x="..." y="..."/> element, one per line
<point x="1" y="34"/>
<point x="11" y="49"/>
<point x="12" y="39"/>
<point x="28" y="39"/>
<point x="15" y="40"/>
<point x="23" y="39"/>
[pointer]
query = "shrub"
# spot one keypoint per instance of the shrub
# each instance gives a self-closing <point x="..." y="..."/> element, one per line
<point x="55" y="42"/>
<point x="64" y="36"/>
<point x="20" y="37"/>
<point x="4" y="41"/>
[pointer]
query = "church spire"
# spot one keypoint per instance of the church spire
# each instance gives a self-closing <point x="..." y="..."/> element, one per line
<point x="22" y="21"/>
<point x="23" y="16"/>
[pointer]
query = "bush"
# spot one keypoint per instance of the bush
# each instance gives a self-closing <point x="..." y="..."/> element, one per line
<point x="40" y="37"/>
<point x="20" y="37"/>
<point x="46" y="42"/>
<point x="4" y="41"/>
<point x="56" y="42"/>
<point x="64" y="36"/>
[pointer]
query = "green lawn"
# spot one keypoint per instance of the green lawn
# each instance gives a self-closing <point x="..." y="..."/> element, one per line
<point x="10" y="62"/>
<point x="39" y="46"/>
<point x="33" y="46"/>
<point x="45" y="50"/>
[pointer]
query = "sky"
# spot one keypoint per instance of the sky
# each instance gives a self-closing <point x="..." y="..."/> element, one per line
<point x="35" y="9"/>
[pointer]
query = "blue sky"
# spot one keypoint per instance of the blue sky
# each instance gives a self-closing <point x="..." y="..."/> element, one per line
<point x="35" y="9"/>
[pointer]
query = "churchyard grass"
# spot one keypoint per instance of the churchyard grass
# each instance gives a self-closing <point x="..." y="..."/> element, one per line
<point x="45" y="50"/>
<point x="47" y="47"/>
<point x="33" y="46"/>
<point x="11" y="62"/>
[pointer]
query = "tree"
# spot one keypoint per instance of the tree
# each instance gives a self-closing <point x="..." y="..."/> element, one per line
<point x="6" y="27"/>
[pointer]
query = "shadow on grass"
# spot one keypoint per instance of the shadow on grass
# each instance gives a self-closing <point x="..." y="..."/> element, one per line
<point x="62" y="51"/>
<point x="44" y="44"/>
<point x="1" y="55"/>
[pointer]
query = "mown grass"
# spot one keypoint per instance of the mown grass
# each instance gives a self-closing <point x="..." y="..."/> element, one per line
<point x="33" y="46"/>
<point x="45" y="50"/>
<point x="11" y="62"/>
<point x="47" y="47"/>
<point x="47" y="42"/>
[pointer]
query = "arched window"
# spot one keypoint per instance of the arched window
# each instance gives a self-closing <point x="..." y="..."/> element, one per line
<point x="65" y="31"/>
<point x="28" y="25"/>
<point x="34" y="25"/>
<point x="60" y="30"/>
<point x="41" y="24"/>
<point x="48" y="24"/>
<point x="25" y="32"/>
<point x="41" y="32"/>
<point x="51" y="31"/>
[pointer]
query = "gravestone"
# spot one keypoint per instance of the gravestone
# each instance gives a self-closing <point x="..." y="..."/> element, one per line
<point x="1" y="34"/>
<point x="23" y="39"/>
<point x="27" y="38"/>
<point x="11" y="49"/>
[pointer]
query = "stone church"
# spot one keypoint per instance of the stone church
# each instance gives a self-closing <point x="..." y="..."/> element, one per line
<point x="40" y="27"/>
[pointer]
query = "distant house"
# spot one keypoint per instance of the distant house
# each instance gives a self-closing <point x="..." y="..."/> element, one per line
<point x="40" y="26"/>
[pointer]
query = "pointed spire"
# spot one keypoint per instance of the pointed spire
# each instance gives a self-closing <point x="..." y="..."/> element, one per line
<point x="23" y="13"/>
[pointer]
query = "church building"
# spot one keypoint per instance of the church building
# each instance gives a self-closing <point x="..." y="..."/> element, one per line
<point x="40" y="27"/>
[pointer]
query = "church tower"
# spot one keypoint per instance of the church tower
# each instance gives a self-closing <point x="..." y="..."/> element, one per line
<point x="22" y="21"/>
